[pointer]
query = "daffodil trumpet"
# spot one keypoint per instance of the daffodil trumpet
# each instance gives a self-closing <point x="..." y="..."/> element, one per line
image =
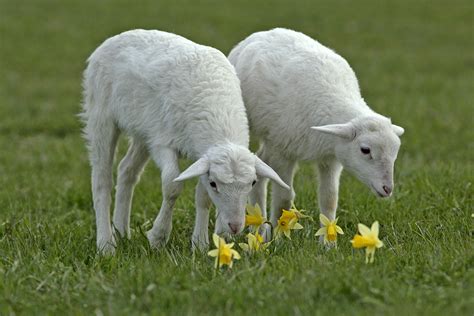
<point x="254" y="217"/>
<point x="329" y="230"/>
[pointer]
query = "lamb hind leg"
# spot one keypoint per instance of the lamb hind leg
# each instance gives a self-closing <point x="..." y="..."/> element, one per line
<point x="129" y="171"/>
<point x="167" y="161"/>
<point x="281" y="198"/>
<point x="102" y="137"/>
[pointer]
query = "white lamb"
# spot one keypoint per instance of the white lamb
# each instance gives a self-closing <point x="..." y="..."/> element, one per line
<point x="304" y="104"/>
<point x="172" y="97"/>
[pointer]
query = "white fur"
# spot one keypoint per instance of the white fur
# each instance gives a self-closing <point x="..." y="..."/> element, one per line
<point x="303" y="102"/>
<point x="172" y="97"/>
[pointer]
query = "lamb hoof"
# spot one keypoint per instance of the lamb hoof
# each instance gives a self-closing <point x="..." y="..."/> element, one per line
<point x="266" y="232"/>
<point x="157" y="240"/>
<point x="106" y="247"/>
<point x="200" y="246"/>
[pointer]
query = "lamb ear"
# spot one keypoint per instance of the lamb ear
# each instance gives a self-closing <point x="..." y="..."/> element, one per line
<point x="198" y="168"/>
<point x="265" y="171"/>
<point x="346" y="130"/>
<point x="398" y="130"/>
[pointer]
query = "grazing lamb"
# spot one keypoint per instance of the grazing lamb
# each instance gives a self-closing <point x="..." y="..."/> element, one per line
<point x="172" y="97"/>
<point x="304" y="104"/>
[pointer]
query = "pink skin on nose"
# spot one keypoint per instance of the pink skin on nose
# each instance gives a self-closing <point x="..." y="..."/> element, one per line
<point x="234" y="227"/>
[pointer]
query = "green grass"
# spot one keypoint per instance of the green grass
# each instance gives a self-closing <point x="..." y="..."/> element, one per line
<point x="415" y="64"/>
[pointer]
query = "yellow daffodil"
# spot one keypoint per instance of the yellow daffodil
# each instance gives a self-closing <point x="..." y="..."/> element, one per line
<point x="224" y="253"/>
<point x="254" y="217"/>
<point x="288" y="221"/>
<point x="329" y="230"/>
<point x="368" y="239"/>
<point x="254" y="243"/>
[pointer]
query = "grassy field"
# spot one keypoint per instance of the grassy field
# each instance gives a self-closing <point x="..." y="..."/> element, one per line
<point x="415" y="63"/>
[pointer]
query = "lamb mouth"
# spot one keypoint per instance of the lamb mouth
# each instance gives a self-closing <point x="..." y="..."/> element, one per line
<point x="378" y="193"/>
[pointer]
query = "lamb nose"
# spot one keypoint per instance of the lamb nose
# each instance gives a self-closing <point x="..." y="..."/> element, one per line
<point x="387" y="189"/>
<point x="234" y="227"/>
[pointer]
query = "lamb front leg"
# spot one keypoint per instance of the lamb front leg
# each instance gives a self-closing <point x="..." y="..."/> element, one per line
<point x="329" y="173"/>
<point x="258" y="195"/>
<point x="167" y="161"/>
<point x="200" y="239"/>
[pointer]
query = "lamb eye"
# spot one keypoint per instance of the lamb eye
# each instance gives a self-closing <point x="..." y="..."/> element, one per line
<point x="213" y="185"/>
<point x="365" y="150"/>
<point x="253" y="183"/>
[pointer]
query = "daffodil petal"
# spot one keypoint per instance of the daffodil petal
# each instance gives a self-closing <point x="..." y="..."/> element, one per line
<point x="216" y="239"/>
<point x="235" y="254"/>
<point x="339" y="230"/>
<point x="375" y="228"/>
<point x="250" y="209"/>
<point x="370" y="253"/>
<point x="253" y="211"/>
<point x="297" y="226"/>
<point x="324" y="220"/>
<point x="287" y="234"/>
<point x="321" y="231"/>
<point x="244" y="247"/>
<point x="292" y="222"/>
<point x="379" y="243"/>
<point x="364" y="230"/>
<point x="213" y="253"/>
<point x="251" y="238"/>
